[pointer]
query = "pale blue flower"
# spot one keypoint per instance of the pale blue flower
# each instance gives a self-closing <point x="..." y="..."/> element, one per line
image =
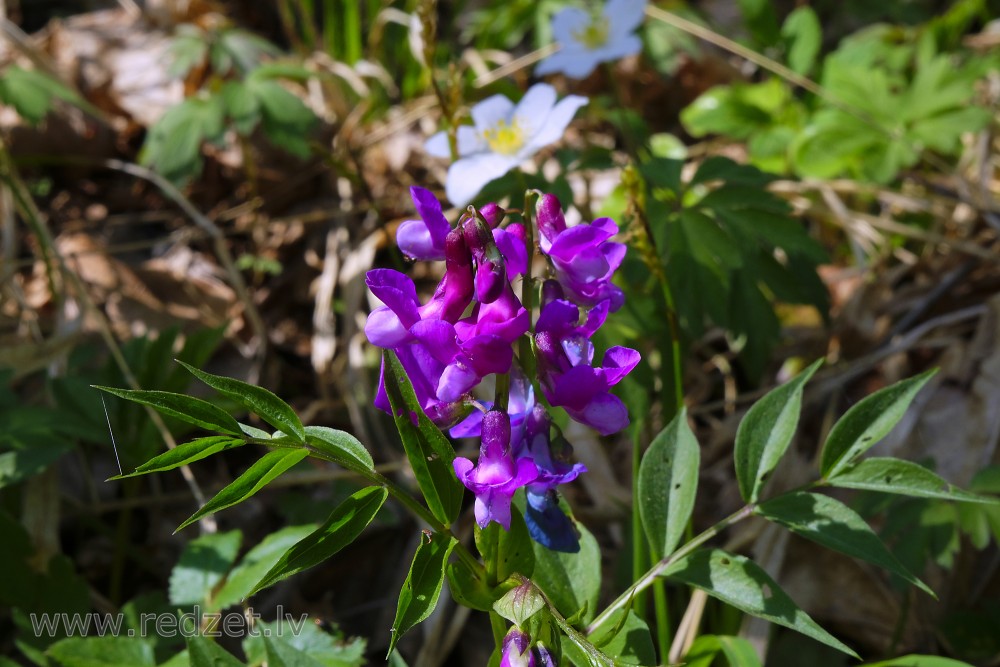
<point x="502" y="137"/>
<point x="587" y="40"/>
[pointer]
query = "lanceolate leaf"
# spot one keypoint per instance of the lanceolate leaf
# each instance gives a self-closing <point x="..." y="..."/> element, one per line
<point x="834" y="525"/>
<point x="203" y="652"/>
<point x="422" y="587"/>
<point x="186" y="408"/>
<point x="919" y="661"/>
<point x="186" y="453"/>
<point x="341" y="446"/>
<point x="341" y="528"/>
<point x="867" y="422"/>
<point x="668" y="481"/>
<point x="428" y="450"/>
<point x="260" y="474"/>
<point x="765" y="433"/>
<point x="257" y="563"/>
<point x="903" y="478"/>
<point x="738" y="581"/>
<point x="266" y="405"/>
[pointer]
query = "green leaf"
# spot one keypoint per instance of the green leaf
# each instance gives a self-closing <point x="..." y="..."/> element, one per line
<point x="203" y="564"/>
<point x="520" y="603"/>
<point x="260" y="474"/>
<point x="422" y="587"/>
<point x="257" y="563"/>
<point x="428" y="450"/>
<point x="467" y="588"/>
<point x="804" y="35"/>
<point x="738" y="651"/>
<point x="341" y="528"/>
<point x="668" y="482"/>
<point x="203" y="652"/>
<point x="331" y="650"/>
<point x="266" y="405"/>
<point x="507" y="551"/>
<point x="185" y="454"/>
<point x="186" y="408"/>
<point x="282" y="654"/>
<point x="241" y="106"/>
<point x="571" y="581"/>
<point x="625" y="638"/>
<point x="919" y="661"/>
<point x="738" y="581"/>
<point x="834" y="525"/>
<point x="286" y="120"/>
<point x="340" y="446"/>
<point x="867" y="422"/>
<point x="765" y="433"/>
<point x="903" y="478"/>
<point x="109" y="651"/>
<point x="30" y="458"/>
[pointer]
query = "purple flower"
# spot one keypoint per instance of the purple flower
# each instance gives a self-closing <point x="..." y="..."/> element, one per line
<point x="497" y="475"/>
<point x="424" y="238"/>
<point x="583" y="257"/>
<point x="516" y="650"/>
<point x="565" y="358"/>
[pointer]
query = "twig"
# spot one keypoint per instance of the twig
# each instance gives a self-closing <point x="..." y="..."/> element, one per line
<point x="515" y="65"/>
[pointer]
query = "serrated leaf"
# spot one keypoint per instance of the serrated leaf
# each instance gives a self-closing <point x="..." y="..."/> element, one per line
<point x="903" y="478"/>
<point x="186" y="408"/>
<point x="834" y="525"/>
<point x="428" y="450"/>
<point x="257" y="563"/>
<point x="668" y="483"/>
<point x="341" y="528"/>
<point x="738" y="581"/>
<point x="260" y="474"/>
<point x="422" y="587"/>
<point x="867" y="422"/>
<point x="341" y="446"/>
<point x="281" y="654"/>
<point x="765" y="433"/>
<point x="109" y="651"/>
<point x="186" y="453"/>
<point x="202" y="565"/>
<point x="203" y="652"/>
<point x="265" y="404"/>
<point x="286" y="120"/>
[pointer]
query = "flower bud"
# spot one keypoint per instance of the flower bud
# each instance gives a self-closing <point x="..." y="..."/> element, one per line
<point x="550" y="220"/>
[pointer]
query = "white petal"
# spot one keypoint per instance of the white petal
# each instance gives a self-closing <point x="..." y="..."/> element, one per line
<point x="491" y="111"/>
<point x="574" y="62"/>
<point x="469" y="141"/>
<point x="437" y="145"/>
<point x="534" y="108"/>
<point x="555" y="124"/>
<point x="568" y="21"/>
<point x="467" y="176"/>
<point x="624" y="16"/>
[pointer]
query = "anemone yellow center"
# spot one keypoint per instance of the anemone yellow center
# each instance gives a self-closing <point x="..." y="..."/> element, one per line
<point x="594" y="35"/>
<point x="505" y="138"/>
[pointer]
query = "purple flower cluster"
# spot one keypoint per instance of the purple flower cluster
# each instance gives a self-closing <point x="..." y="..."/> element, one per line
<point x="469" y="329"/>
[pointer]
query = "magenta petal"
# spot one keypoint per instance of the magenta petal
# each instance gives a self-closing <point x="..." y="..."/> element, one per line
<point x="558" y="317"/>
<point x="396" y="291"/>
<point x="618" y="361"/>
<point x="488" y="354"/>
<point x="462" y="468"/>
<point x="429" y="209"/>
<point x="606" y="414"/>
<point x="384" y="329"/>
<point x="577" y="239"/>
<point x="614" y="254"/>
<point x="510" y="241"/>
<point x="415" y="241"/>
<point x="456" y="380"/>
<point x="438" y="337"/>
<point x="595" y="318"/>
<point x="577" y="387"/>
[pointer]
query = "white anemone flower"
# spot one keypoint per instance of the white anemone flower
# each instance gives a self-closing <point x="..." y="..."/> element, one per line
<point x="502" y="137"/>
<point x="587" y="39"/>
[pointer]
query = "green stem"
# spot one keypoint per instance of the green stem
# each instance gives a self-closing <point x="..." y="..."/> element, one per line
<point x="638" y="534"/>
<point x="499" y="627"/>
<point x="654" y="572"/>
